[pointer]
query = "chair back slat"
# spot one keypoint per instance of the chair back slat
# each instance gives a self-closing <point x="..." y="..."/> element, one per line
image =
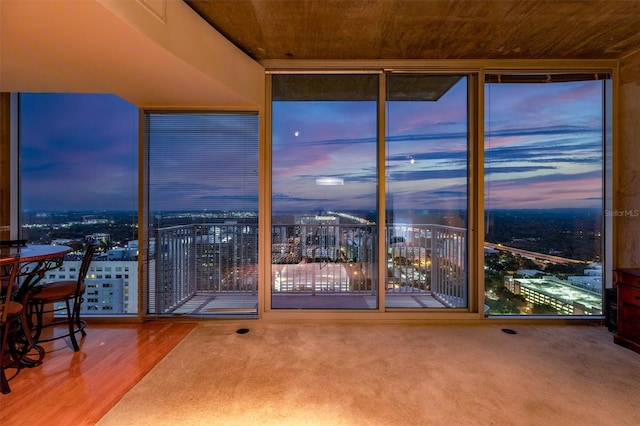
<point x="86" y="261"/>
<point x="9" y="267"/>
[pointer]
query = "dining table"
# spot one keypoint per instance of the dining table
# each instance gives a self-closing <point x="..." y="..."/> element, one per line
<point x="33" y="261"/>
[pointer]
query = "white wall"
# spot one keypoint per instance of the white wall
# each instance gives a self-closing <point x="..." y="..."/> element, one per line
<point x="153" y="53"/>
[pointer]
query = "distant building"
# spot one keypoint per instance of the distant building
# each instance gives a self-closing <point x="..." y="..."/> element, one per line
<point x="93" y="220"/>
<point x="133" y="245"/>
<point x="330" y="277"/>
<point x="326" y="219"/>
<point x="98" y="237"/>
<point x="319" y="236"/>
<point x="566" y="298"/>
<point x="122" y="254"/>
<point x="62" y="241"/>
<point x="588" y="282"/>
<point x="530" y="272"/>
<point x="111" y="285"/>
<point x="594" y="269"/>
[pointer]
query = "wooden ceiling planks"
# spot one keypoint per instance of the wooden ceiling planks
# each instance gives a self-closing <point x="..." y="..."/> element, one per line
<point x="427" y="29"/>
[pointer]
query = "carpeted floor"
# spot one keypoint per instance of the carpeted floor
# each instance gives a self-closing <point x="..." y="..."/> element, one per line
<point x="318" y="374"/>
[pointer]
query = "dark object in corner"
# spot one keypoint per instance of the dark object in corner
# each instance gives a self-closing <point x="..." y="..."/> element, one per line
<point x="13" y="243"/>
<point x="611" y="309"/>
<point x="242" y="330"/>
<point x="627" y="281"/>
<point x="509" y="331"/>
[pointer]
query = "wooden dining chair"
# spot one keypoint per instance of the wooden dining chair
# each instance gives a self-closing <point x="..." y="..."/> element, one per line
<point x="4" y="277"/>
<point x="43" y="298"/>
<point x="10" y="313"/>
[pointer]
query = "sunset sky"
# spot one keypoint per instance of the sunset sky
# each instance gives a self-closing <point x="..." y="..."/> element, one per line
<point x="543" y="150"/>
<point x="79" y="152"/>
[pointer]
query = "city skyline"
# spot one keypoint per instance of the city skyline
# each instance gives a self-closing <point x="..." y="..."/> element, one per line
<point x="549" y="142"/>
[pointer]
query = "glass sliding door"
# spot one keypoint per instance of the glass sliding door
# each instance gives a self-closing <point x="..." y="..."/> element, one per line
<point x="324" y="191"/>
<point x="545" y="144"/>
<point x="427" y="187"/>
<point x="203" y="213"/>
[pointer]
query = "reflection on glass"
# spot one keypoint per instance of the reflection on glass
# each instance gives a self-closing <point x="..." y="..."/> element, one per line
<point x="78" y="183"/>
<point x="544" y="194"/>
<point x="203" y="204"/>
<point x="426" y="191"/>
<point x="324" y="192"/>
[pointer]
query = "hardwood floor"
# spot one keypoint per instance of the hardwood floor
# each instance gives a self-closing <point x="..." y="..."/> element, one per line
<point x="78" y="388"/>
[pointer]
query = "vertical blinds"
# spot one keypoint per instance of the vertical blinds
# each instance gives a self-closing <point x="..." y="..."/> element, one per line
<point x="202" y="161"/>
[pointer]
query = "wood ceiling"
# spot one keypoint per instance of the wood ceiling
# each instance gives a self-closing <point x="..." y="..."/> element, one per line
<point x="427" y="29"/>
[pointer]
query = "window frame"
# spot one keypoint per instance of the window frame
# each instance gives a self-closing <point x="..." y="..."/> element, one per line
<point x="144" y="198"/>
<point x="607" y="72"/>
<point x="476" y="71"/>
<point x="473" y="265"/>
<point x="476" y="68"/>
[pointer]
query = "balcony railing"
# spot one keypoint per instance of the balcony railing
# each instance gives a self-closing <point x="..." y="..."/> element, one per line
<point x="428" y="259"/>
<point x="334" y="259"/>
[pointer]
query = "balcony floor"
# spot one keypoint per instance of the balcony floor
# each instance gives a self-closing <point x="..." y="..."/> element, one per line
<point x="239" y="304"/>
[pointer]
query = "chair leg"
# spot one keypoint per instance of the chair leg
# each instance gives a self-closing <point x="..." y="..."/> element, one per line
<point x="71" y="323"/>
<point x="39" y="308"/>
<point x="4" y="383"/>
<point x="74" y="322"/>
<point x="76" y="314"/>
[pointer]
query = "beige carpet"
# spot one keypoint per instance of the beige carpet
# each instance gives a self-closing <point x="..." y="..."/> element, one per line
<point x="316" y="374"/>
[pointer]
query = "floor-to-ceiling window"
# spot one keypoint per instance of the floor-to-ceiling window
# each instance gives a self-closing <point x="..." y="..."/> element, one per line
<point x="202" y="252"/>
<point x="324" y="198"/>
<point x="78" y="184"/>
<point x="546" y="204"/>
<point x="546" y="161"/>
<point x="426" y="181"/>
<point x="547" y="138"/>
<point x="325" y="181"/>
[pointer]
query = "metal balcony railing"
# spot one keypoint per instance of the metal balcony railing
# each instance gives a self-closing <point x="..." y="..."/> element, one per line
<point x="307" y="259"/>
<point x="428" y="258"/>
